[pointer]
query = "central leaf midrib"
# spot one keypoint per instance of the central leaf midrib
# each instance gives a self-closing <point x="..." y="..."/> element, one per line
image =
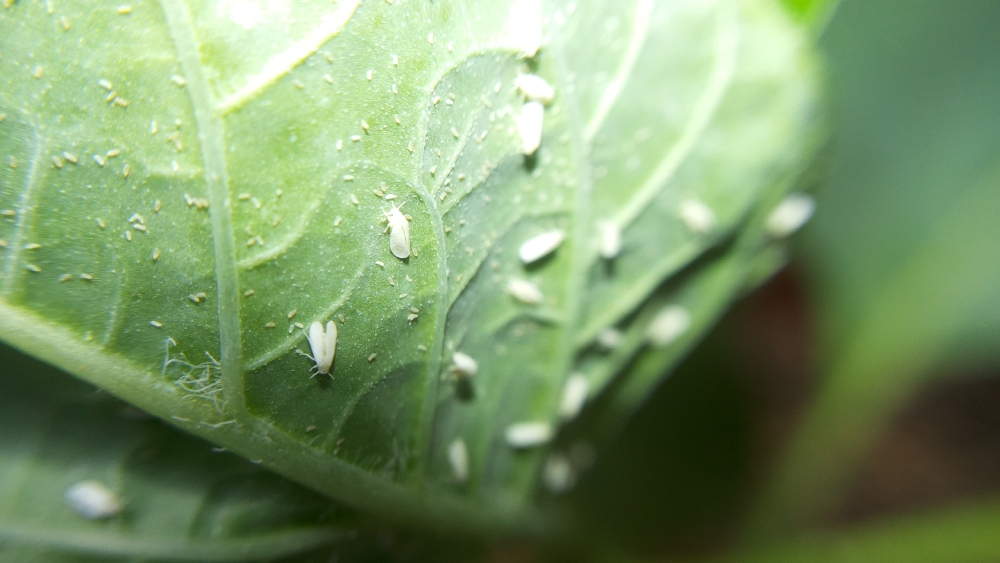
<point x="211" y="134"/>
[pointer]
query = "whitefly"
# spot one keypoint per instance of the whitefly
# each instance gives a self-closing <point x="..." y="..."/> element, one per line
<point x="540" y="246"/>
<point x="323" y="344"/>
<point x="399" y="233"/>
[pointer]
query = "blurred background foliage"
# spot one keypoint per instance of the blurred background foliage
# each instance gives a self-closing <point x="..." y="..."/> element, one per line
<point x="849" y="410"/>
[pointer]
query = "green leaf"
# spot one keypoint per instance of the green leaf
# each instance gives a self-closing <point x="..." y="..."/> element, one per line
<point x="260" y="147"/>
<point x="906" y="279"/>
<point x="812" y="13"/>
<point x="180" y="499"/>
<point x="961" y="533"/>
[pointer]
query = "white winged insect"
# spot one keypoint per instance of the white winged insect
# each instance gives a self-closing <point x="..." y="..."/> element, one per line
<point x="92" y="500"/>
<point x="793" y="212"/>
<point x="529" y="126"/>
<point x="535" y="88"/>
<point x="699" y="217"/>
<point x="528" y="434"/>
<point x="458" y="458"/>
<point x="463" y="365"/>
<point x="323" y="345"/>
<point x="668" y="325"/>
<point x="399" y="232"/>
<point x="574" y="396"/>
<point x="611" y="240"/>
<point x="540" y="246"/>
<point x="525" y="291"/>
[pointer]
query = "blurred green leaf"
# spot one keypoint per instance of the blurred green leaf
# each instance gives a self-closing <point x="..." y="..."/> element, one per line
<point x="180" y="499"/>
<point x="813" y="13"/>
<point x="903" y="246"/>
<point x="166" y="230"/>
<point x="965" y="533"/>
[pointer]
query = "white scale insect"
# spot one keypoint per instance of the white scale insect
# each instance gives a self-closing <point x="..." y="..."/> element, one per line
<point x="92" y="500"/>
<point x="399" y="232"/>
<point x="323" y="345"/>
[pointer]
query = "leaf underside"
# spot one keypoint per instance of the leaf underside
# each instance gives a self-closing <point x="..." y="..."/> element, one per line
<point x="180" y="499"/>
<point x="261" y="144"/>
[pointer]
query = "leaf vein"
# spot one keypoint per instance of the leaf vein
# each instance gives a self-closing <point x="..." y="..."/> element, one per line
<point x="718" y="83"/>
<point x="281" y="64"/>
<point x="211" y="132"/>
<point x="23" y="207"/>
<point x="640" y="28"/>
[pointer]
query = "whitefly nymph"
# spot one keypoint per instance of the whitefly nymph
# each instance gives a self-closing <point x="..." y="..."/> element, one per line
<point x="323" y="345"/>
<point x="399" y="232"/>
